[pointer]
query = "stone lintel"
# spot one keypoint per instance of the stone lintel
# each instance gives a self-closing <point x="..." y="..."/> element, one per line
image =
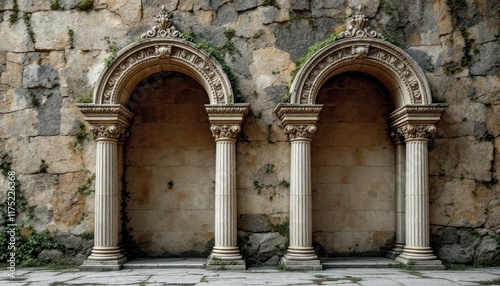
<point x="416" y="115"/>
<point x="227" y="114"/>
<point x="106" y="114"/>
<point x="298" y="114"/>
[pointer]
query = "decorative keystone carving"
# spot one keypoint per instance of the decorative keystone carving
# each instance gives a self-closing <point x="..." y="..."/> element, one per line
<point x="163" y="28"/>
<point x="163" y="52"/>
<point x="417" y="132"/>
<point x="225" y="131"/>
<point x="360" y="52"/>
<point x="108" y="131"/>
<point x="300" y="131"/>
<point x="358" y="27"/>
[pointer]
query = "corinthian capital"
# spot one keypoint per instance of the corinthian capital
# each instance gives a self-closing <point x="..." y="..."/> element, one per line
<point x="417" y="132"/>
<point x="225" y="131"/>
<point x="300" y="131"/>
<point x="107" y="131"/>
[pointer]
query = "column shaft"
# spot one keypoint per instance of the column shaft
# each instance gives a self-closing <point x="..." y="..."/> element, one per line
<point x="400" y="198"/>
<point x="106" y="202"/>
<point x="226" y="246"/>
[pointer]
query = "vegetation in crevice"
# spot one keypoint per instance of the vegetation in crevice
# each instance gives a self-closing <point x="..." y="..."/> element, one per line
<point x="85" y="5"/>
<point x="218" y="54"/>
<point x="87" y="188"/>
<point x="34" y="100"/>
<point x="29" y="29"/>
<point x="43" y="166"/>
<point x="112" y="50"/>
<point x="71" y="39"/>
<point x="88" y="98"/>
<point x="457" y="9"/>
<point x="56" y="5"/>
<point x="81" y="135"/>
<point x="15" y="11"/>
<point x="16" y="222"/>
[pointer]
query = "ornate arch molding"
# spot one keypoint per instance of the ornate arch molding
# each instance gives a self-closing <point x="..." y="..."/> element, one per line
<point x="139" y="60"/>
<point x="402" y="76"/>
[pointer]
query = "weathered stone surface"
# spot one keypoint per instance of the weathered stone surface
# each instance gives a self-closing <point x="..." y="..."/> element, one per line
<point x="254" y="223"/>
<point x="483" y="63"/>
<point x="39" y="76"/>
<point x="243" y="5"/>
<point x="19" y="40"/>
<point x="487" y="253"/>
<point x="130" y="11"/>
<point x="226" y="15"/>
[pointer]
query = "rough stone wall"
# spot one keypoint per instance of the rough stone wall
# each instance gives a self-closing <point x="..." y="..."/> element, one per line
<point x="50" y="57"/>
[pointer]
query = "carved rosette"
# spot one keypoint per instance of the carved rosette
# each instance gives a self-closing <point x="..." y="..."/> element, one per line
<point x="300" y="131"/>
<point x="108" y="132"/>
<point x="410" y="132"/>
<point x="163" y="28"/>
<point x="225" y="131"/>
<point x="359" y="27"/>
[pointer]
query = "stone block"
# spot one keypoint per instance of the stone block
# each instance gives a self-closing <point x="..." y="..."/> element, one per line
<point x="13" y="75"/>
<point x="487" y="253"/>
<point x="226" y="15"/>
<point x="39" y="76"/>
<point x="483" y="63"/>
<point x="129" y="11"/>
<point x="19" y="40"/>
<point x="254" y="223"/>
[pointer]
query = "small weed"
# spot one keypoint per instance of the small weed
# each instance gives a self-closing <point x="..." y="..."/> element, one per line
<point x="34" y="100"/>
<point x="55" y="5"/>
<point x="271" y="3"/>
<point x="170" y="185"/>
<point x="88" y="235"/>
<point x="13" y="17"/>
<point x="71" y="39"/>
<point x="258" y="187"/>
<point x="29" y="29"/>
<point x="259" y="115"/>
<point x="112" y="50"/>
<point x="228" y="44"/>
<point x="269" y="168"/>
<point x="85" y="5"/>
<point x="81" y="135"/>
<point x="88" y="98"/>
<point x="86" y="189"/>
<point x="258" y="33"/>
<point x="43" y="167"/>
<point x="311" y="52"/>
<point x="284" y="183"/>
<point x="459" y="267"/>
<point x="269" y="133"/>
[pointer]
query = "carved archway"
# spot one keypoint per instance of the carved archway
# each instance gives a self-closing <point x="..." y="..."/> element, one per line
<point x="360" y="49"/>
<point x="162" y="48"/>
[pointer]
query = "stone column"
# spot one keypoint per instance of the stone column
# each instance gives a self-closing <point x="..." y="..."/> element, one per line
<point x="400" y="194"/>
<point x="225" y="125"/>
<point x="106" y="254"/>
<point x="299" y="122"/>
<point x="417" y="251"/>
<point x="300" y="254"/>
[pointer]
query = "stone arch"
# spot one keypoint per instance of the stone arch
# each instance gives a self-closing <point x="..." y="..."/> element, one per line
<point x="162" y="48"/>
<point x="146" y="57"/>
<point x="402" y="76"/>
<point x="361" y="49"/>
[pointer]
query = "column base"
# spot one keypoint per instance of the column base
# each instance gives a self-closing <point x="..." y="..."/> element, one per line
<point x="420" y="258"/>
<point x="104" y="258"/>
<point x="301" y="259"/>
<point x="396" y="251"/>
<point x="215" y="262"/>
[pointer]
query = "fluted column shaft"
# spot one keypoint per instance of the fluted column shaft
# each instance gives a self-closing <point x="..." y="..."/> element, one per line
<point x="417" y="246"/>
<point x="226" y="246"/>
<point x="300" y="201"/>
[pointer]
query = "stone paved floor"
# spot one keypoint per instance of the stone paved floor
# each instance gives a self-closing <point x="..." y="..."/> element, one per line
<point x="255" y="276"/>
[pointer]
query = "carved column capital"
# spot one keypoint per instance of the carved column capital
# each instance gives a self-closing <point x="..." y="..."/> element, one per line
<point x="410" y="132"/>
<point x="108" y="132"/>
<point x="397" y="137"/>
<point x="300" y="131"/>
<point x="225" y="131"/>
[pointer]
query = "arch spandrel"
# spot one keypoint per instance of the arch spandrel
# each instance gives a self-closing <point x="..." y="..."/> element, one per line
<point x="162" y="48"/>
<point x="402" y="76"/>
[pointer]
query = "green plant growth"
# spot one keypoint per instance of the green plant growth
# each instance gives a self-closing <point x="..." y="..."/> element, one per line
<point x="170" y="185"/>
<point x="271" y="3"/>
<point x="85" y="5"/>
<point x="311" y="51"/>
<point x="269" y="168"/>
<point x="29" y="29"/>
<point x="490" y="282"/>
<point x="458" y="9"/>
<point x="34" y="100"/>
<point x="56" y="5"/>
<point x="258" y="187"/>
<point x="112" y="50"/>
<point x="15" y="10"/>
<point x="88" y="98"/>
<point x="218" y="54"/>
<point x="71" y="39"/>
<point x="43" y="166"/>
<point x="28" y="243"/>
<point x="81" y="135"/>
<point x="284" y="183"/>
<point x="228" y="44"/>
<point x="87" y="188"/>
